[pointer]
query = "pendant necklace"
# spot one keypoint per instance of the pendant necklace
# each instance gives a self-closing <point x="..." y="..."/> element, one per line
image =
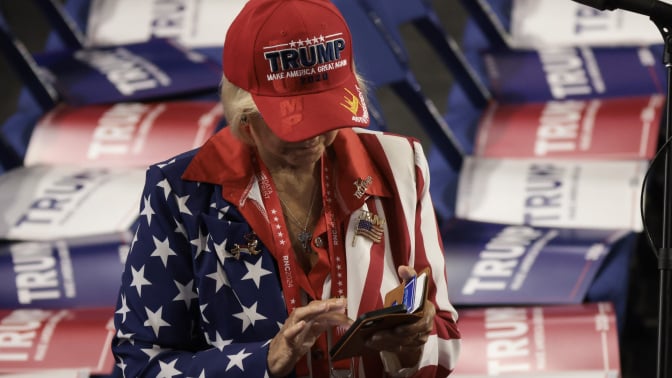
<point x="304" y="236"/>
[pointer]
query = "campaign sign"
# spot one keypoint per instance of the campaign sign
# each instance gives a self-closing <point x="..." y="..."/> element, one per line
<point x="61" y="274"/>
<point x="493" y="264"/>
<point x="563" y="73"/>
<point x="578" y="341"/>
<point x="543" y="23"/>
<point x="616" y="128"/>
<point x="44" y="202"/>
<point x="130" y="134"/>
<point x="194" y="24"/>
<point x="567" y="193"/>
<point x="71" y="339"/>
<point x="155" y="69"/>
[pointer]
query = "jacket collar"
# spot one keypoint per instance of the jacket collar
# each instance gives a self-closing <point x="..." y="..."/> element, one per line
<point x="225" y="160"/>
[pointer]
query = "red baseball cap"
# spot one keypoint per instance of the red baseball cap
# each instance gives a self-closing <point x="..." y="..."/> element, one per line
<point x="295" y="58"/>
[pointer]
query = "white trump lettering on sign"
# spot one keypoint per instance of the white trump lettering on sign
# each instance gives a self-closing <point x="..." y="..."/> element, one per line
<point x="498" y="261"/>
<point x="128" y="72"/>
<point x="508" y="340"/>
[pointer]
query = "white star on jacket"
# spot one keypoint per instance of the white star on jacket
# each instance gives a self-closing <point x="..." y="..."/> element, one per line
<point x="168" y="370"/>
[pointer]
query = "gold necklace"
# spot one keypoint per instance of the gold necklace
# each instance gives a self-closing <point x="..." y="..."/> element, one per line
<point x="304" y="236"/>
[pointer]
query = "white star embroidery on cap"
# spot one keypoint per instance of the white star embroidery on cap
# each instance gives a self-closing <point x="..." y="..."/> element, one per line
<point x="237" y="360"/>
<point x="147" y="210"/>
<point x="154" y="320"/>
<point x="249" y="316"/>
<point x="168" y="370"/>
<point x="186" y="293"/>
<point x="162" y="250"/>
<point x="255" y="272"/>
<point x="139" y="279"/>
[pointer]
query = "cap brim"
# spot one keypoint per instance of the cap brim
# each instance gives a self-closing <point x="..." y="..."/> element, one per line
<point x="301" y="117"/>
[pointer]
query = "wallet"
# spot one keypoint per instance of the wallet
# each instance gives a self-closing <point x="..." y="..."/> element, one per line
<point x="403" y="304"/>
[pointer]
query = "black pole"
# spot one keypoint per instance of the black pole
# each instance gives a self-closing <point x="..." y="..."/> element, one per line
<point x="665" y="251"/>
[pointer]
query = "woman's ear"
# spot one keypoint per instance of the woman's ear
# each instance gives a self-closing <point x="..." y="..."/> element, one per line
<point x="246" y="126"/>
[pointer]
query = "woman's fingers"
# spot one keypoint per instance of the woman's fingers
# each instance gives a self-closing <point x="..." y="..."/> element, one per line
<point x="303" y="326"/>
<point x="406" y="272"/>
<point x="315" y="308"/>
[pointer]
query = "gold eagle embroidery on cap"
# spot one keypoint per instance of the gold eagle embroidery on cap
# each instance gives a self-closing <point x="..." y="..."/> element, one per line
<point x="351" y="102"/>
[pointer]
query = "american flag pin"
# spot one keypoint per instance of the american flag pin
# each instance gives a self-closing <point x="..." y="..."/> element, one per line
<point x="370" y="226"/>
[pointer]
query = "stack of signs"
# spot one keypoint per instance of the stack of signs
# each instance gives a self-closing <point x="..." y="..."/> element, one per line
<point x="578" y="341"/>
<point x="70" y="211"/>
<point x="549" y="201"/>
<point x="68" y="229"/>
<point x="573" y="163"/>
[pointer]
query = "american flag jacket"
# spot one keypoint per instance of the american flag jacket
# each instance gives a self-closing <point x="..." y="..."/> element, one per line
<point x="188" y="307"/>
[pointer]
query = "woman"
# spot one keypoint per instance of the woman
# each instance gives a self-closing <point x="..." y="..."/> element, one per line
<point x="255" y="252"/>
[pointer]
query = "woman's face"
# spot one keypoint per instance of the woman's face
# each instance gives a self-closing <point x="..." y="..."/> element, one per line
<point x="281" y="154"/>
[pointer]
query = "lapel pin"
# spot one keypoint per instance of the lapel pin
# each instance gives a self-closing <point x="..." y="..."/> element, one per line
<point x="361" y="185"/>
<point x="250" y="247"/>
<point x="370" y="226"/>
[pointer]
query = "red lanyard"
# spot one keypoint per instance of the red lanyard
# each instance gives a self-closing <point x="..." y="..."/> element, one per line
<point x="339" y="275"/>
<point x="283" y="252"/>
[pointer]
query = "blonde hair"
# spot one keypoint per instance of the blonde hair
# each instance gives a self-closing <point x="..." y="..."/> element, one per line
<point x="238" y="105"/>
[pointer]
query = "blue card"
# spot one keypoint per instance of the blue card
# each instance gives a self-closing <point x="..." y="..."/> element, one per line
<point x="409" y="294"/>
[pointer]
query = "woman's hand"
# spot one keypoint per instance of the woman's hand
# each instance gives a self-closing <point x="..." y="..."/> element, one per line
<point x="303" y="326"/>
<point x="407" y="340"/>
